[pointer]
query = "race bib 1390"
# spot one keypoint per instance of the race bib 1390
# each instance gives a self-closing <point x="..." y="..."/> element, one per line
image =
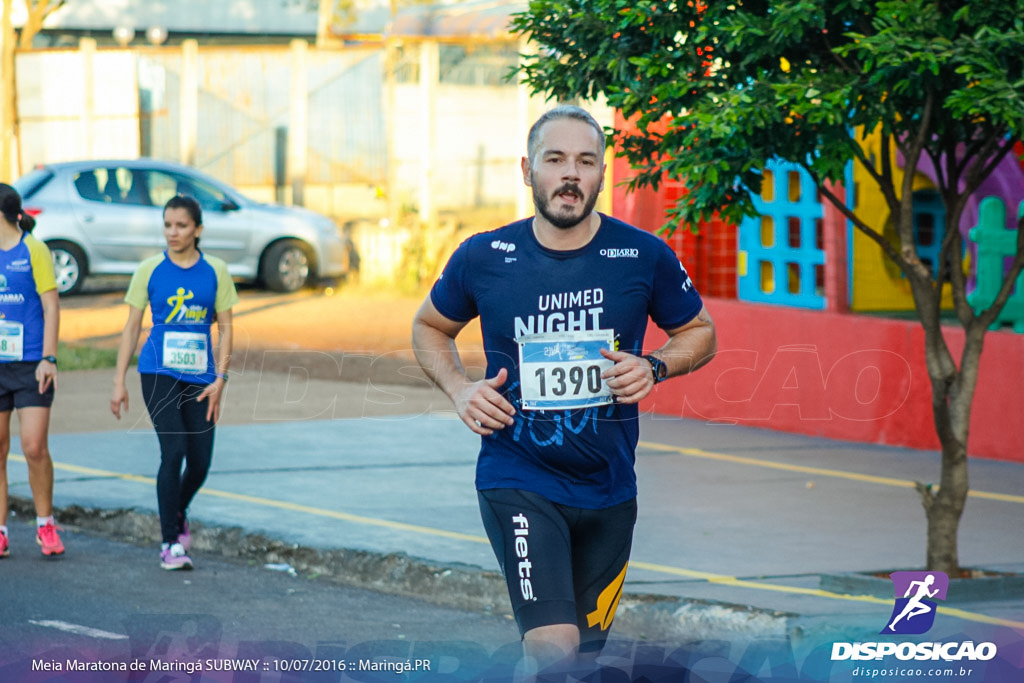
<point x="562" y="370"/>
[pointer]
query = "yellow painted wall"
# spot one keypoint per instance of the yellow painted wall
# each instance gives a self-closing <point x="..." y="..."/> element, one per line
<point x="877" y="284"/>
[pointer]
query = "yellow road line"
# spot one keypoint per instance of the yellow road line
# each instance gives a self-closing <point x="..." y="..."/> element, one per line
<point x="724" y="580"/>
<point x="821" y="471"/>
<point x="710" y="577"/>
<point x="279" y="504"/>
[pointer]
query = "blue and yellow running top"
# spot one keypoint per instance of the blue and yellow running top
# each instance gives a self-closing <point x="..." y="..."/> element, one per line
<point x="184" y="303"/>
<point x="26" y="272"/>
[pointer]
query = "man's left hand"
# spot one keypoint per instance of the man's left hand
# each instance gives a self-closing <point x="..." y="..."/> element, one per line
<point x="630" y="379"/>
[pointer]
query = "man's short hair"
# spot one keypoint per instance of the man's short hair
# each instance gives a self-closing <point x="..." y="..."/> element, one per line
<point x="565" y="111"/>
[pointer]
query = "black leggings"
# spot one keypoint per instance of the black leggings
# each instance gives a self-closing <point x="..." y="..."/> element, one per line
<point x="185" y="436"/>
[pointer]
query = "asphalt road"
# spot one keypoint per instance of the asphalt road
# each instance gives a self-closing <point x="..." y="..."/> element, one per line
<point x="110" y="603"/>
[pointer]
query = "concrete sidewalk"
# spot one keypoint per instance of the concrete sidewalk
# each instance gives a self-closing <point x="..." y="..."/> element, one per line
<point x="742" y="533"/>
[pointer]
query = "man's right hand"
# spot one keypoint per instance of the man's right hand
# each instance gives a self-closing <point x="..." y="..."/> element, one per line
<point x="482" y="407"/>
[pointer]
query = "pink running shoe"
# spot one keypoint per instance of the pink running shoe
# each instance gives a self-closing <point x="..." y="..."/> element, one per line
<point x="5" y="546"/>
<point x="49" y="540"/>
<point x="174" y="558"/>
<point x="185" y="538"/>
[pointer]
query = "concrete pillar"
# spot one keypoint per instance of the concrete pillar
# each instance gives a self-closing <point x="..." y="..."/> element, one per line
<point x="298" y="123"/>
<point x="837" y="265"/>
<point x="390" y="116"/>
<point x="429" y="70"/>
<point x="188" y="131"/>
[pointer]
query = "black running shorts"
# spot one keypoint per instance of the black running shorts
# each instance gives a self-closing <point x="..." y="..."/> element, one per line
<point x="562" y="564"/>
<point x="19" y="387"/>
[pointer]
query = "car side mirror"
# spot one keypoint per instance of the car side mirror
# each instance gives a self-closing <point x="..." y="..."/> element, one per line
<point x="228" y="205"/>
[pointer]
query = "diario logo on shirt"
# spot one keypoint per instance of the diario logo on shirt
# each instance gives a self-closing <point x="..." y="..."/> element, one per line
<point x="620" y="253"/>
<point x="914" y="613"/>
<point x="21" y="265"/>
<point x="180" y="313"/>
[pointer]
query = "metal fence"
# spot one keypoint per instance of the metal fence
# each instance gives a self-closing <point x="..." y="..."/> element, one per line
<point x="328" y="128"/>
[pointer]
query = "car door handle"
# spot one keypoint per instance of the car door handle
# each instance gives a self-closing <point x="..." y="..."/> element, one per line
<point x="88" y="218"/>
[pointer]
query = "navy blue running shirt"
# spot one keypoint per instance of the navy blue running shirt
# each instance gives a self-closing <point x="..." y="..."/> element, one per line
<point x="582" y="457"/>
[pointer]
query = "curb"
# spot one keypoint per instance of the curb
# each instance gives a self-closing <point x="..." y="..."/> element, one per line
<point x="457" y="586"/>
<point x="997" y="586"/>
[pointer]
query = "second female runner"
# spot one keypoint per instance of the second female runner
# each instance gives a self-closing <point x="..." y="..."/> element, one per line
<point x="183" y="375"/>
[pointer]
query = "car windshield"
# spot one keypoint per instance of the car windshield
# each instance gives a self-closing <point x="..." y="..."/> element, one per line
<point x="28" y="184"/>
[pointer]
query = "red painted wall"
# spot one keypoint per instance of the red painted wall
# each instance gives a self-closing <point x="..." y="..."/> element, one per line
<point x="709" y="256"/>
<point x="842" y="376"/>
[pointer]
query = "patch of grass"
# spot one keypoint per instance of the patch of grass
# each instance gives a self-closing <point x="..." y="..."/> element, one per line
<point x="82" y="357"/>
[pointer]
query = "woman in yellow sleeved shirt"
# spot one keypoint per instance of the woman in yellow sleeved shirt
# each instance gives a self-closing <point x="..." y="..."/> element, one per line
<point x="29" y="321"/>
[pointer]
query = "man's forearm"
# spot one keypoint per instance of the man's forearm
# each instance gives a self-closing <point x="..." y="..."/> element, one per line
<point x="690" y="347"/>
<point x="438" y="355"/>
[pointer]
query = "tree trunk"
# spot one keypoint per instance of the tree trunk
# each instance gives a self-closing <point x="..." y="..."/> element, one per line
<point x="952" y="396"/>
<point x="6" y="93"/>
<point x="944" y="509"/>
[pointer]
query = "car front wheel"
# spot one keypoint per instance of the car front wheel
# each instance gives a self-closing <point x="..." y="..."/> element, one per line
<point x="69" y="267"/>
<point x="286" y="266"/>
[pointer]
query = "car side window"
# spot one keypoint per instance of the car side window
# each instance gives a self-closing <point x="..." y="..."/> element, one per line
<point x="126" y="186"/>
<point x="162" y="186"/>
<point x="87" y="184"/>
<point x="208" y="196"/>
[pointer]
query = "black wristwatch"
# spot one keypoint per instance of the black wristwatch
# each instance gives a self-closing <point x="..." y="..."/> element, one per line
<point x="658" y="368"/>
<point x="52" y="359"/>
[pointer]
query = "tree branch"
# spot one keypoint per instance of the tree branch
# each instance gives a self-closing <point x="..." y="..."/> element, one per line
<point x="927" y="496"/>
<point x="993" y="158"/>
<point x="885" y="183"/>
<point x="858" y="223"/>
<point x="38" y="10"/>
<point x="905" y="224"/>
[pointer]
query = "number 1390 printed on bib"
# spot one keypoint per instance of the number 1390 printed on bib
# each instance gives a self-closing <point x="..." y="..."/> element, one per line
<point x="562" y="370"/>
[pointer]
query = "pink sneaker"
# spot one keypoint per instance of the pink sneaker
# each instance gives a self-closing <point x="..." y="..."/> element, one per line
<point x="174" y="558"/>
<point x="49" y="540"/>
<point x="185" y="538"/>
<point x="5" y="546"/>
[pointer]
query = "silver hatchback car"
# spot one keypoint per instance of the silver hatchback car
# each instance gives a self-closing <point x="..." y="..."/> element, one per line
<point x="104" y="217"/>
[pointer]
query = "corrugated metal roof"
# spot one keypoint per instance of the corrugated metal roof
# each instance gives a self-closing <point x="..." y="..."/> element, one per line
<point x="258" y="17"/>
<point x="481" y="18"/>
<point x="455" y="19"/>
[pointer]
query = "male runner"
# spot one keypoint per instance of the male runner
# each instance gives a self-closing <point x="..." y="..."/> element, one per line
<point x="563" y="299"/>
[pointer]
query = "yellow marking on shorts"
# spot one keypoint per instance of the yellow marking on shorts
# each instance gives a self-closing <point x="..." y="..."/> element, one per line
<point x="608" y="602"/>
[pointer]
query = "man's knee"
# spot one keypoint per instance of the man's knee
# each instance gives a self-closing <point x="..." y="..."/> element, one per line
<point x="552" y="643"/>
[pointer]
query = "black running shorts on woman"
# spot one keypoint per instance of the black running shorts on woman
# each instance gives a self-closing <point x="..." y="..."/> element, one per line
<point x="562" y="564"/>
<point x="19" y="387"/>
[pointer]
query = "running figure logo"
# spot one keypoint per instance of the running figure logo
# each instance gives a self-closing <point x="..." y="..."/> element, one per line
<point x="913" y="613"/>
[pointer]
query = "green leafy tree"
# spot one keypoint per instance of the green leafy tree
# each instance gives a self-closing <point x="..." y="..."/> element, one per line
<point x="719" y="88"/>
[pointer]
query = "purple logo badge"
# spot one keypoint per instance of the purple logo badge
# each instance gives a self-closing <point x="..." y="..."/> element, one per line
<point x="914" y="612"/>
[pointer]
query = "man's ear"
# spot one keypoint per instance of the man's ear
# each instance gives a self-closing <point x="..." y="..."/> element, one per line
<point x="524" y="163"/>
